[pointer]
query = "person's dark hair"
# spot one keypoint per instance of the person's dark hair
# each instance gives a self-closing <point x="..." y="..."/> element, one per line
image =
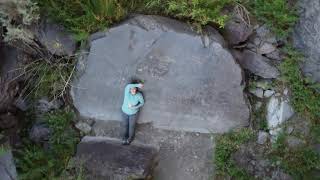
<point x="136" y="81"/>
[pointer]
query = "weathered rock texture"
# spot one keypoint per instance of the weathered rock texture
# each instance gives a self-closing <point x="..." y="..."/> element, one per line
<point x="7" y="167"/>
<point x="106" y="158"/>
<point x="306" y="37"/>
<point x="191" y="82"/>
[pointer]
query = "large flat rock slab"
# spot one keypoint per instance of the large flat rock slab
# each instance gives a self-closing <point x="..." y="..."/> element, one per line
<point x="182" y="155"/>
<point x="306" y="37"/>
<point x="106" y="158"/>
<point x="191" y="82"/>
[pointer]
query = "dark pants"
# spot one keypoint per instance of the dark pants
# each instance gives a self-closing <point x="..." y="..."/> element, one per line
<point x="128" y="125"/>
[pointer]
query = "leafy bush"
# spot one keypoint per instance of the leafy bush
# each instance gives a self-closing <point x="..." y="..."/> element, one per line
<point x="276" y="14"/>
<point x="35" y="162"/>
<point x="227" y="144"/>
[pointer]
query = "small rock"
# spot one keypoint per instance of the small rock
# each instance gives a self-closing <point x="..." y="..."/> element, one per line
<point x="294" y="142"/>
<point x="268" y="93"/>
<point x="257" y="92"/>
<point x="44" y="105"/>
<point x="237" y="31"/>
<point x="266" y="48"/>
<point x="265" y="34"/>
<point x="278" y="111"/>
<point x="83" y="127"/>
<point x="275" y="55"/>
<point x="262" y="137"/>
<point x="258" y="65"/>
<point x="39" y="133"/>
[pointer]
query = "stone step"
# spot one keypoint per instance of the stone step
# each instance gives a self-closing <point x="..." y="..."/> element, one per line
<point x="106" y="158"/>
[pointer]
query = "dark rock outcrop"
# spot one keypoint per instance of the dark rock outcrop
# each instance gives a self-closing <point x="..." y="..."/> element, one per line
<point x="106" y="158"/>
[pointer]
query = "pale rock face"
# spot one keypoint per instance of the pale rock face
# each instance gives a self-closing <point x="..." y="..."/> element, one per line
<point x="306" y="37"/>
<point x="192" y="83"/>
<point x="278" y="111"/>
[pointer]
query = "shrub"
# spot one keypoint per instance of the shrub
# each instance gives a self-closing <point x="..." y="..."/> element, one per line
<point x="35" y="162"/>
<point x="276" y="14"/>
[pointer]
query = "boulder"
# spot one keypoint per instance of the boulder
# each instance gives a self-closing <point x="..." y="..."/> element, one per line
<point x="7" y="166"/>
<point x="192" y="83"/>
<point x="55" y="38"/>
<point x="236" y="30"/>
<point x="106" y="158"/>
<point x="278" y="111"/>
<point x="257" y="64"/>
<point x="306" y="37"/>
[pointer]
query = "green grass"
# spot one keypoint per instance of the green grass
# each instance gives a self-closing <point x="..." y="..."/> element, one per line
<point x="35" y="162"/>
<point x="276" y="14"/>
<point x="227" y="144"/>
<point x="304" y="98"/>
<point x="83" y="17"/>
<point x="298" y="162"/>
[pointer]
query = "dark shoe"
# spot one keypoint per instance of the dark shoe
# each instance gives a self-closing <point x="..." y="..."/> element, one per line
<point x="129" y="141"/>
<point x="125" y="142"/>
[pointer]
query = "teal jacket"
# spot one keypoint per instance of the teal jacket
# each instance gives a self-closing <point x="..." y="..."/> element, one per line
<point x="135" y="100"/>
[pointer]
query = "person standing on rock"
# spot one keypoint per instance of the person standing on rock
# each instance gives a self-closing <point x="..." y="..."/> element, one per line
<point x="132" y="102"/>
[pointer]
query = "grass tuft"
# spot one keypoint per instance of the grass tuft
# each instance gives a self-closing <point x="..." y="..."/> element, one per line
<point x="227" y="144"/>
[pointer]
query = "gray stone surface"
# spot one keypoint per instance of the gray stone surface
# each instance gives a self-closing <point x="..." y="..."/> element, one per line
<point x="257" y="92"/>
<point x="257" y="64"/>
<point x="39" y="133"/>
<point x="182" y="155"/>
<point x="83" y="127"/>
<point x="266" y="48"/>
<point x="268" y="93"/>
<point x="55" y="38"/>
<point x="106" y="158"/>
<point x="191" y="82"/>
<point x="236" y="30"/>
<point x="7" y="166"/>
<point x="306" y="37"/>
<point x="262" y="137"/>
<point x="278" y="111"/>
